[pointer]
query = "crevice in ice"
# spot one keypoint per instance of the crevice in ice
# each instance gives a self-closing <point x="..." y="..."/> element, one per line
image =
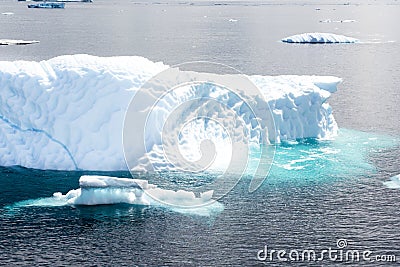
<point x="18" y="128"/>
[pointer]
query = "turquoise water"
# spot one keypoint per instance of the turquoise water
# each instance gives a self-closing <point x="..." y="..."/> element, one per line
<point x="317" y="192"/>
<point x="298" y="162"/>
<point x="348" y="155"/>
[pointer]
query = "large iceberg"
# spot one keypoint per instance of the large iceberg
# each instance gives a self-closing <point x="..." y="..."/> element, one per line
<point x="319" y="38"/>
<point x="67" y="113"/>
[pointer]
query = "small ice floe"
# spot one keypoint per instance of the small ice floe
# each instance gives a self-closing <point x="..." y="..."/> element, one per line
<point x="394" y="182"/>
<point x="337" y="21"/>
<point x="348" y="21"/>
<point x="16" y="42"/>
<point x="106" y="190"/>
<point x="319" y="38"/>
<point x="100" y="190"/>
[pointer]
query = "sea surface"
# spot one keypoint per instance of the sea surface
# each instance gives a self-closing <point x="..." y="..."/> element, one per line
<point x="318" y="191"/>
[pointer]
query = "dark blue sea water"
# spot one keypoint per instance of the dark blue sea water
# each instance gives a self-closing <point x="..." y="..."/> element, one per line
<point x="317" y="192"/>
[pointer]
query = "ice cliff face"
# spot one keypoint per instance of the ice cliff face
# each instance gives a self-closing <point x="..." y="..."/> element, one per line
<point x="67" y="113"/>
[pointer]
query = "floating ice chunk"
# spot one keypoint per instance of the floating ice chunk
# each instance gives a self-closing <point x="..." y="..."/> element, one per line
<point x="328" y="83"/>
<point x="337" y="21"/>
<point x="394" y="182"/>
<point x="16" y="42"/>
<point x="106" y="190"/>
<point x="348" y="21"/>
<point x="100" y="190"/>
<point x="319" y="38"/>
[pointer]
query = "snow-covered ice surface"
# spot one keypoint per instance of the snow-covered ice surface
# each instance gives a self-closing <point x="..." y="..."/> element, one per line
<point x="106" y="190"/>
<point x="67" y="113"/>
<point x="319" y="38"/>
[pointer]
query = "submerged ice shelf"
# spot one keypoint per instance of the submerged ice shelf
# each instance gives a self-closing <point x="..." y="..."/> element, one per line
<point x="297" y="163"/>
<point x="67" y="113"/>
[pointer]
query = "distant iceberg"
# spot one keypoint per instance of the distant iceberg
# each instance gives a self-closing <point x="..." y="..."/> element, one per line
<point x="16" y="42"/>
<point x="337" y="21"/>
<point x="319" y="38"/>
<point x="67" y="113"/>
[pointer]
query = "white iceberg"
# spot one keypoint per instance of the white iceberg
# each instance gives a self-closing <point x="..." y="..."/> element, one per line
<point x="17" y="42"/>
<point x="319" y="38"/>
<point x="106" y="190"/>
<point x="337" y="21"/>
<point x="67" y="113"/>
